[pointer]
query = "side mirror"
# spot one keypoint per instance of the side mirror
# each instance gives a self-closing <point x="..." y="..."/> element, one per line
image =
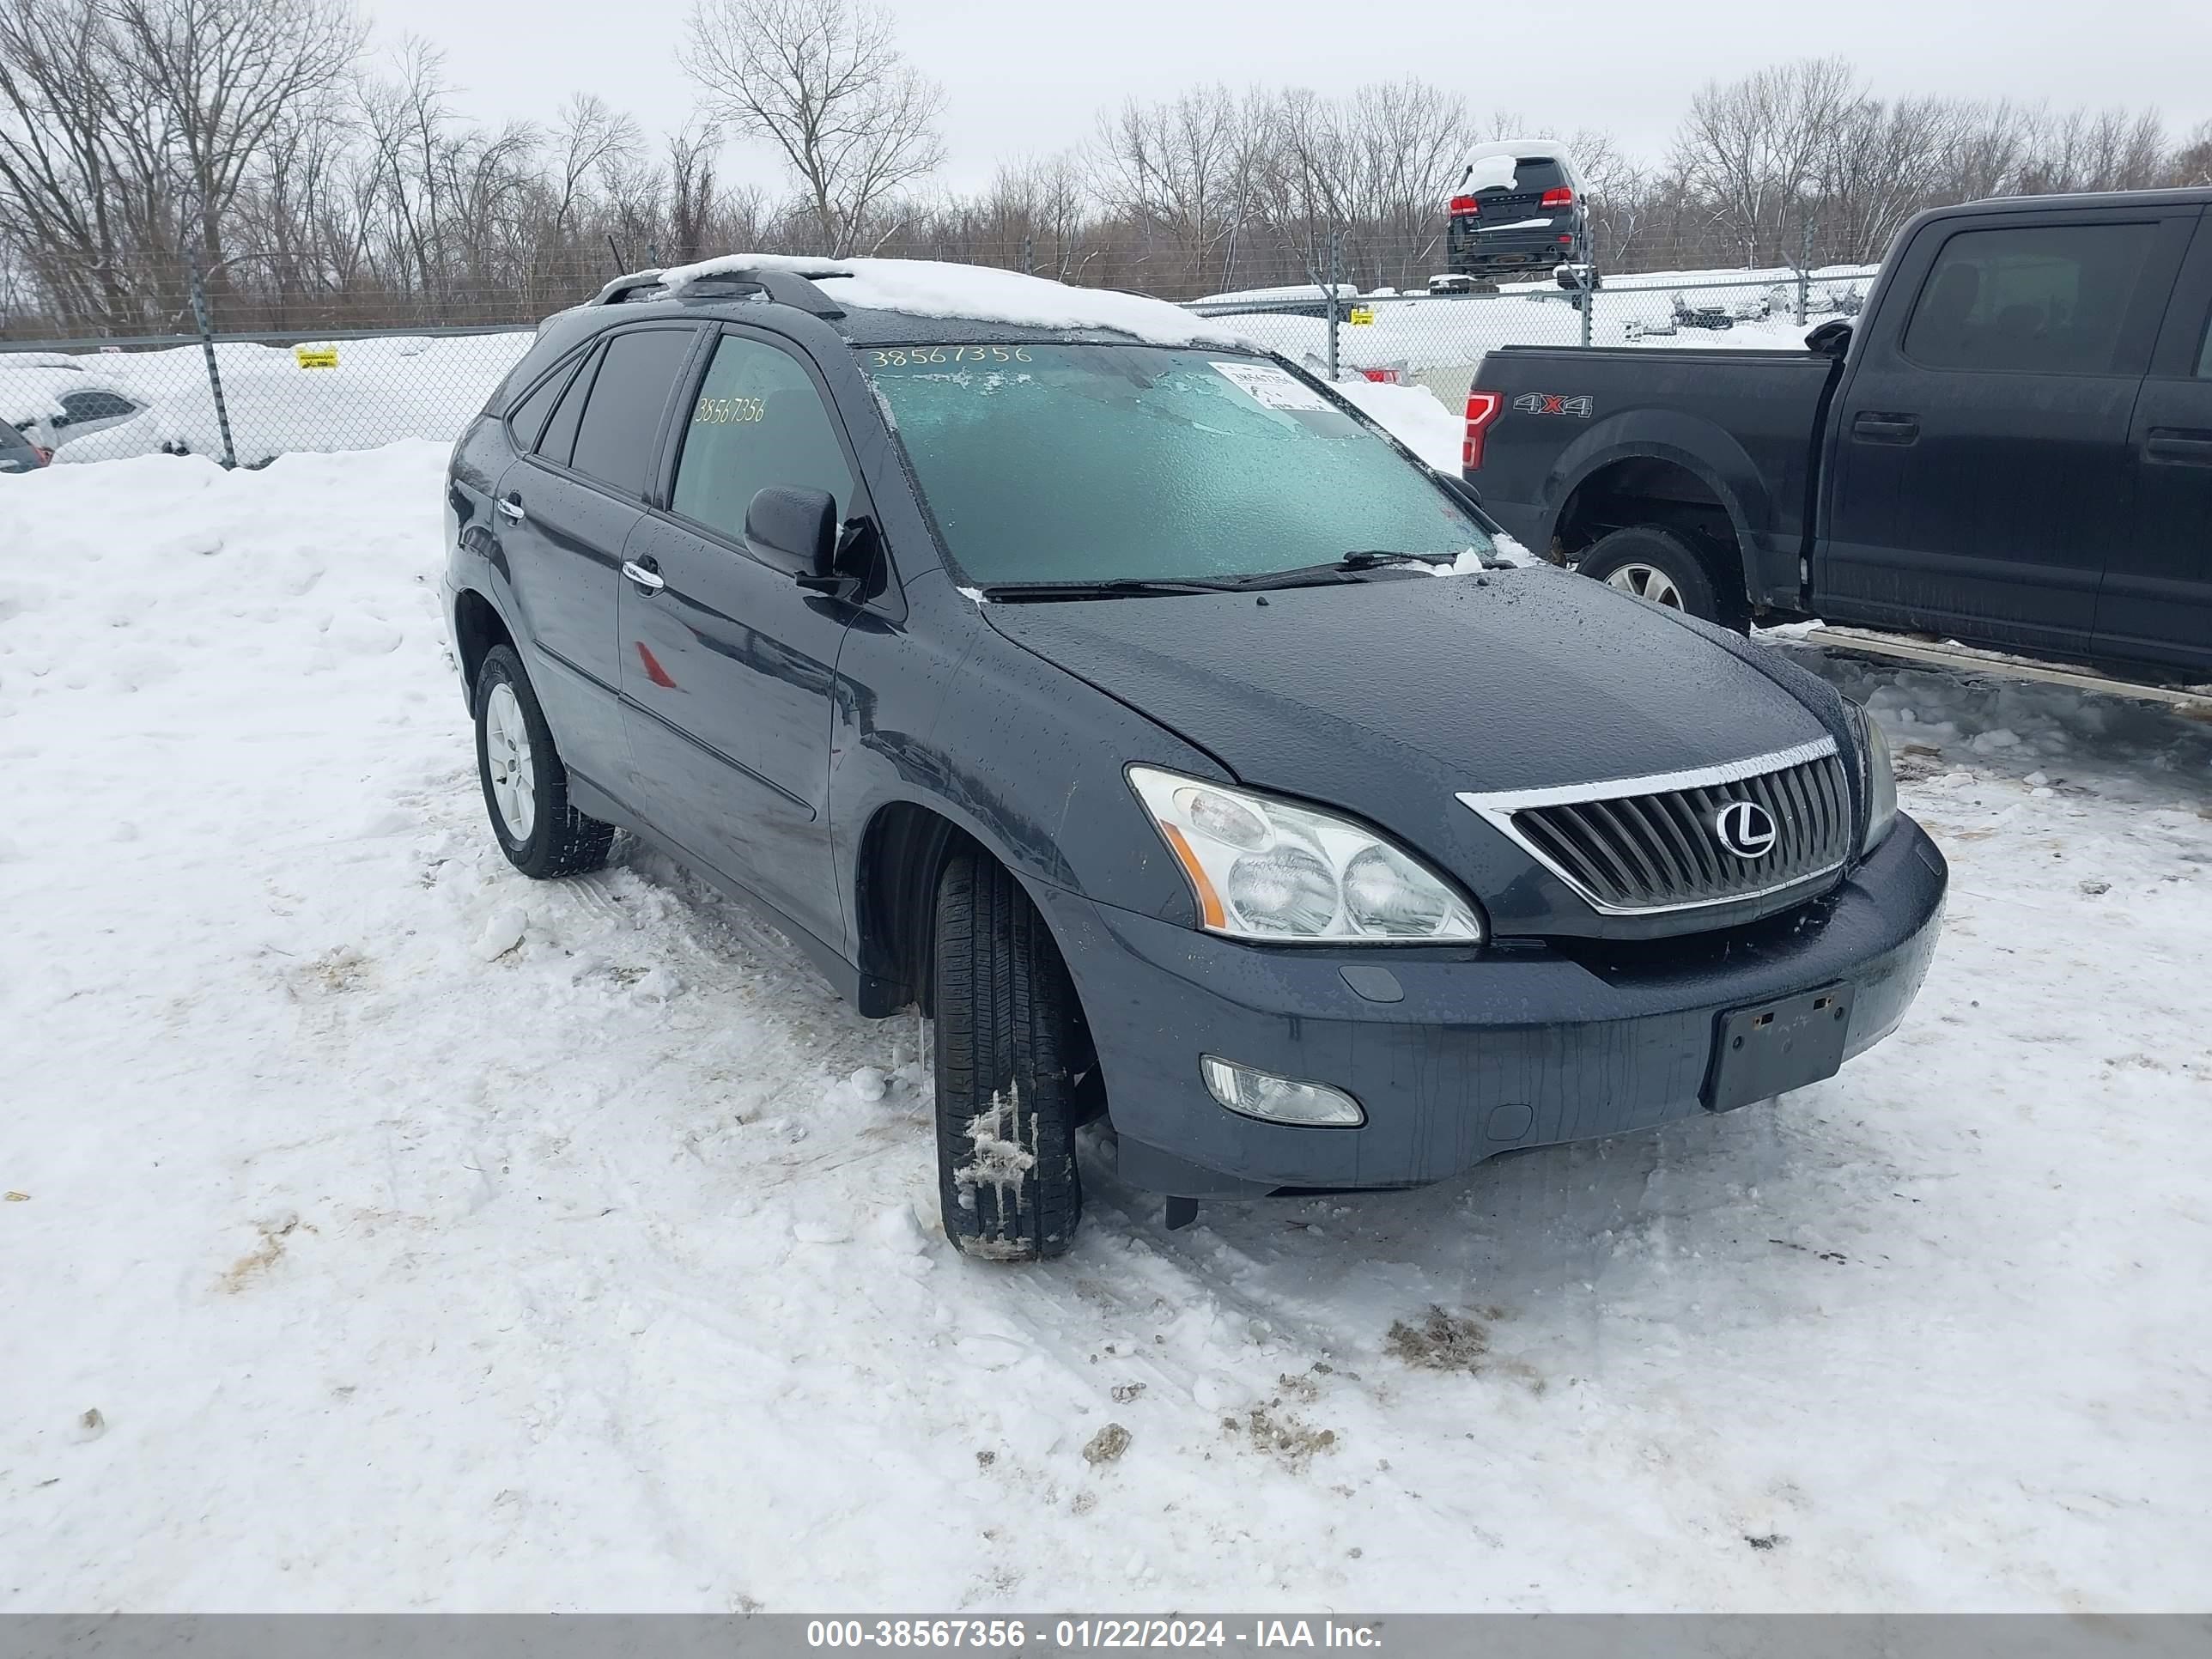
<point x="1831" y="339"/>
<point x="796" y="530"/>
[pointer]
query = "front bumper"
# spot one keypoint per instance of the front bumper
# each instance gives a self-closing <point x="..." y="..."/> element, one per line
<point x="1520" y="1044"/>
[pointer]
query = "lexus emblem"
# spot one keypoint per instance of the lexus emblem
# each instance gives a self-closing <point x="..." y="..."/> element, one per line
<point x="1745" y="828"/>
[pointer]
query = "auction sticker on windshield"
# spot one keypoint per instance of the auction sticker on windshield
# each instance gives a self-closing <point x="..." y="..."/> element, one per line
<point x="1271" y="387"/>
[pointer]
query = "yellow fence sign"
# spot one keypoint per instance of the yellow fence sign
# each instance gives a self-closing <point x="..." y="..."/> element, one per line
<point x="1362" y="314"/>
<point x="315" y="356"/>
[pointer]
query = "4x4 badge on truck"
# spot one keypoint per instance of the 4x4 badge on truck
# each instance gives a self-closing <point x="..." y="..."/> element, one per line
<point x="1554" y="403"/>
<point x="1745" y="828"/>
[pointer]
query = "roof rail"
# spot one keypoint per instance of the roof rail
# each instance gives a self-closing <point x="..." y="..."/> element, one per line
<point x="786" y="287"/>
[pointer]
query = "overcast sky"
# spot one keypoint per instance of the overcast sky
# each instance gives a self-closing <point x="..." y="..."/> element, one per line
<point x="1027" y="76"/>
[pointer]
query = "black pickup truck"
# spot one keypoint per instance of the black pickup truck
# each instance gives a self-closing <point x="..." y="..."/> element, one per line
<point x="2011" y="445"/>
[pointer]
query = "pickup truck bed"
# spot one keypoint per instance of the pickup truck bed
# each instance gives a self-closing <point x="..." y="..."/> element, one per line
<point x="1719" y="444"/>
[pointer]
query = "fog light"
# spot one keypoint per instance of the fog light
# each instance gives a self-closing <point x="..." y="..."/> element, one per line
<point x="1277" y="1099"/>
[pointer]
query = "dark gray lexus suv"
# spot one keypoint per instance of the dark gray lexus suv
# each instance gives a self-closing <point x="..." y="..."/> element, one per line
<point x="1201" y="763"/>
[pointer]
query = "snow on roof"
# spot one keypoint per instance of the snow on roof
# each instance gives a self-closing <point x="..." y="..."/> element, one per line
<point x="1491" y="163"/>
<point x="34" y="390"/>
<point x="932" y="288"/>
<point x="1538" y="145"/>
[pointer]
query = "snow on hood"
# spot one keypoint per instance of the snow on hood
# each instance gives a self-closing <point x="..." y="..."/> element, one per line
<point x="933" y="288"/>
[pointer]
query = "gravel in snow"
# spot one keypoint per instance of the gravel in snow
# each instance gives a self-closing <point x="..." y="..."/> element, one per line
<point x="353" y="1263"/>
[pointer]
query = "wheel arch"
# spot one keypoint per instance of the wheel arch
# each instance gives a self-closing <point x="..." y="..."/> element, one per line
<point x="901" y="853"/>
<point x="1633" y="491"/>
<point x="478" y="627"/>
<point x="1696" y="475"/>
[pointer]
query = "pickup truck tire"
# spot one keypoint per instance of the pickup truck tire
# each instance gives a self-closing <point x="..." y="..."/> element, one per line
<point x="525" y="788"/>
<point x="1665" y="567"/>
<point x="1006" y="1108"/>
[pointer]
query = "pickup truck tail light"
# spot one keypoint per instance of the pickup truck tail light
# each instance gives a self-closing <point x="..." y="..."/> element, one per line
<point x="1482" y="408"/>
<point x="1561" y="197"/>
<point x="1465" y="204"/>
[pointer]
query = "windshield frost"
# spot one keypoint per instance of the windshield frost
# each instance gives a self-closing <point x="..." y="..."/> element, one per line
<point x="1082" y="464"/>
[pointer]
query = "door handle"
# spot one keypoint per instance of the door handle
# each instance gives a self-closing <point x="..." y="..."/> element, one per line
<point x="2178" y="445"/>
<point x="648" y="580"/>
<point x="510" y="508"/>
<point x="1886" y="429"/>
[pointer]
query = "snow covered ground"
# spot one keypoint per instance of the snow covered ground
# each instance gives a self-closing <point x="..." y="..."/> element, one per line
<point x="353" y="1260"/>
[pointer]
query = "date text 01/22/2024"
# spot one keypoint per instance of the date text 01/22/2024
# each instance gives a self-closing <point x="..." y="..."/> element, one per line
<point x="1086" y="1634"/>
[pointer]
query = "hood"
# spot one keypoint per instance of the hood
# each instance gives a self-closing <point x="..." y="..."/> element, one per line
<point x="1350" y="694"/>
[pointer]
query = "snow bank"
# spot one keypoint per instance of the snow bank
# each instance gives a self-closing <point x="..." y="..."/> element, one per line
<point x="588" y="1277"/>
<point x="1414" y="416"/>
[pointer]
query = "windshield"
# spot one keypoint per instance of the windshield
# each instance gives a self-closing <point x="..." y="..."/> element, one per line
<point x="1090" y="464"/>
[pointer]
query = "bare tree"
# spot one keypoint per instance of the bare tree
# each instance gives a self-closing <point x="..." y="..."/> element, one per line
<point x="1877" y="165"/>
<point x="2191" y="163"/>
<point x="691" y="152"/>
<point x="1410" y="139"/>
<point x="225" y="77"/>
<point x="62" y="155"/>
<point x="1749" y="149"/>
<point x="133" y="131"/>
<point x="592" y="139"/>
<point x="1187" y="173"/>
<point x="823" y="81"/>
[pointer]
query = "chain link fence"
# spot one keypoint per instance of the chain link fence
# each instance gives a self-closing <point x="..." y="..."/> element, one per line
<point x="1437" y="340"/>
<point x="244" y="399"/>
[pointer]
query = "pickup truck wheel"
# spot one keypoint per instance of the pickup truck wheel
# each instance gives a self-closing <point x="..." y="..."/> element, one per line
<point x="525" y="788"/>
<point x="1006" y="1108"/>
<point x="1664" y="568"/>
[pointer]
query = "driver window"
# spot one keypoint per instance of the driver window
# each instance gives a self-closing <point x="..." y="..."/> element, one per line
<point x="758" y="420"/>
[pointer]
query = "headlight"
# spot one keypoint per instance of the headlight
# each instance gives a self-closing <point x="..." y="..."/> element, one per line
<point x="1878" y="776"/>
<point x="1261" y="868"/>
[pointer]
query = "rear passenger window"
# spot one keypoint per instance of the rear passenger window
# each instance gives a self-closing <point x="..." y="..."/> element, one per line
<point x="1537" y="173"/>
<point x="528" y="419"/>
<point x="2049" y="299"/>
<point x="96" y="405"/>
<point x="621" y="418"/>
<point x="560" y="439"/>
<point x="758" y="420"/>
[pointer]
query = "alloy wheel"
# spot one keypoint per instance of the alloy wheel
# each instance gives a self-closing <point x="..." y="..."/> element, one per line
<point x="506" y="754"/>
<point x="1647" y="581"/>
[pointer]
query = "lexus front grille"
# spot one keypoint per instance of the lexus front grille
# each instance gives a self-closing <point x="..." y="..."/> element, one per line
<point x="1684" y="841"/>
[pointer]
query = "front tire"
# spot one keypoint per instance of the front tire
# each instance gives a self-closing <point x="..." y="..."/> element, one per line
<point x="1007" y="1033"/>
<point x="1665" y="569"/>
<point x="526" y="787"/>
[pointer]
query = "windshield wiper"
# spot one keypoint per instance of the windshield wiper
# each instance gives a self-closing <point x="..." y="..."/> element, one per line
<point x="1119" y="588"/>
<point x="1345" y="569"/>
<point x="1348" y="568"/>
